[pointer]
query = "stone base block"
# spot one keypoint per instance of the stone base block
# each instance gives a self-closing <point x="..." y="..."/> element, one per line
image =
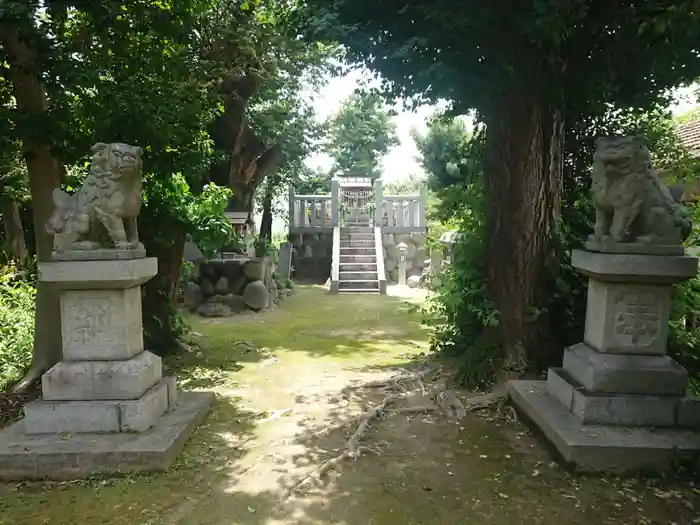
<point x="597" y="448"/>
<point x="610" y="409"/>
<point x="102" y="380"/>
<point x="53" y="456"/>
<point x="56" y="417"/>
<point x="624" y="374"/>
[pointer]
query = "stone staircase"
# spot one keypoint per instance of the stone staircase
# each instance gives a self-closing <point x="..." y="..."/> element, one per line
<point x="358" y="261"/>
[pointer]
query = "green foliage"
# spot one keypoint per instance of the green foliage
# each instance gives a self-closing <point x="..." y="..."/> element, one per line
<point x="262" y="247"/>
<point x="460" y="311"/>
<point x="163" y="326"/>
<point x="16" y="326"/>
<point x="360" y="134"/>
<point x="209" y="228"/>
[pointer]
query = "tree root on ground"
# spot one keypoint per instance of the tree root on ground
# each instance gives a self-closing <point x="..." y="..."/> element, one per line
<point x="445" y="402"/>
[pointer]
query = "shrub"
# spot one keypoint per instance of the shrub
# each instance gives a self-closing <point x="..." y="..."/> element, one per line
<point x="16" y="326"/>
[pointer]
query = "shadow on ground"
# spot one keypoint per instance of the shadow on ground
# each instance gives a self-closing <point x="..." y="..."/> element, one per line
<point x="282" y="399"/>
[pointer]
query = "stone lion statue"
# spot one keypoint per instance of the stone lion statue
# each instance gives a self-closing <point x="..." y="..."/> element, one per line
<point x="108" y="201"/>
<point x="632" y="205"/>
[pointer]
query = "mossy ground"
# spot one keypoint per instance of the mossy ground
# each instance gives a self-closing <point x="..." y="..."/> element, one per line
<point x="279" y="377"/>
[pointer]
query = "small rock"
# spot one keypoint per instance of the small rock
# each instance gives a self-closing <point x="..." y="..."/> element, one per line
<point x="413" y="281"/>
<point x="235" y="302"/>
<point x="273" y="285"/>
<point x="254" y="270"/>
<point x="221" y="286"/>
<point x="218" y="298"/>
<point x="207" y="287"/>
<point x="214" y="309"/>
<point x="193" y="296"/>
<point x="256" y="295"/>
<point x="282" y="294"/>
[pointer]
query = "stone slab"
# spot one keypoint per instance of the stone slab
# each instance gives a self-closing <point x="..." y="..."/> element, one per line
<point x="610" y="246"/>
<point x="102" y="254"/>
<point x="102" y="380"/>
<point x="99" y="275"/>
<point x="284" y="267"/>
<point x="634" y="268"/>
<point x="101" y="324"/>
<point x="141" y="414"/>
<point x="627" y="318"/>
<point x="599" y="448"/>
<point x="688" y="412"/>
<point x="624" y="374"/>
<point x="52" y="456"/>
<point x="56" y="417"/>
<point x="610" y="409"/>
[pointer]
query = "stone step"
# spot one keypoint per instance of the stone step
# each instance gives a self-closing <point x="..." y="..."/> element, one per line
<point x="102" y="380"/>
<point x="357" y="251"/>
<point x="357" y="237"/>
<point x="138" y="415"/>
<point x="358" y="276"/>
<point x="359" y="291"/>
<point x="358" y="284"/>
<point x="350" y="246"/>
<point x="624" y="373"/>
<point x="359" y="259"/>
<point x="358" y="267"/>
<point x="356" y="229"/>
<point x="621" y="409"/>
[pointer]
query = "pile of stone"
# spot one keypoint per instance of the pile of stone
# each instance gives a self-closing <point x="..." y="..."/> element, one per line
<point x="312" y="254"/>
<point x="415" y="256"/>
<point x="225" y="286"/>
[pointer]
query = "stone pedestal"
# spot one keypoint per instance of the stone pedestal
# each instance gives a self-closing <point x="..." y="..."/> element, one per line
<point x="618" y="402"/>
<point x="106" y="388"/>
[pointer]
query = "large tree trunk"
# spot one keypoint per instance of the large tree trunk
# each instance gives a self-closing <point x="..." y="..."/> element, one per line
<point x="14" y="232"/>
<point x="266" y="221"/>
<point x="250" y="161"/>
<point x="523" y="191"/>
<point x="44" y="176"/>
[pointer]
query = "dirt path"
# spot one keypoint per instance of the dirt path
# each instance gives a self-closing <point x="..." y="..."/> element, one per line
<point x="281" y="377"/>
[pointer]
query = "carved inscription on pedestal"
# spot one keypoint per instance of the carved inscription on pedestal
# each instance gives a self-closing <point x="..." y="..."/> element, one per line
<point x="87" y="318"/>
<point x="637" y="319"/>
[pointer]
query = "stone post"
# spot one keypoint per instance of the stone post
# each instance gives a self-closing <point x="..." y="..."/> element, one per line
<point x="619" y="402"/>
<point x="378" y="197"/>
<point x="403" y="252"/>
<point x="106" y="406"/>
<point x="285" y="264"/>
<point x="292" y="209"/>
<point x="106" y="381"/>
<point x="335" y="202"/>
<point x="435" y="261"/>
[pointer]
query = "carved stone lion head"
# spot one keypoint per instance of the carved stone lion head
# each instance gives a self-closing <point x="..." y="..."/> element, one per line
<point x="621" y="155"/>
<point x="117" y="159"/>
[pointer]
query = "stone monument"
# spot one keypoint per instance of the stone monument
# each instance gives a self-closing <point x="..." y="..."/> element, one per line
<point x="106" y="406"/>
<point x="619" y="402"/>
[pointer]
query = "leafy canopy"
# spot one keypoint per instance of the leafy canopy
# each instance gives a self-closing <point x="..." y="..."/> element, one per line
<point x="360" y="134"/>
<point x="577" y="53"/>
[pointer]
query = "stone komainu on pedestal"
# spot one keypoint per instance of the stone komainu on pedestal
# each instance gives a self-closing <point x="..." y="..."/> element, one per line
<point x="619" y="402"/>
<point x="106" y="406"/>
